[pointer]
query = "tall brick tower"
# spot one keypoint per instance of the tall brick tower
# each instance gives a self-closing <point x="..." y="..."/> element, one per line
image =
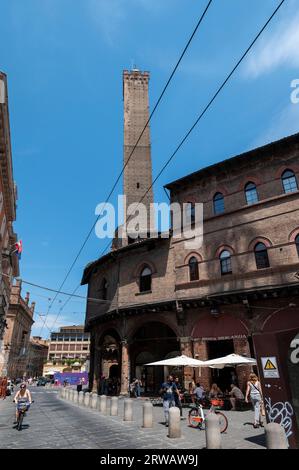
<point x="138" y="172"/>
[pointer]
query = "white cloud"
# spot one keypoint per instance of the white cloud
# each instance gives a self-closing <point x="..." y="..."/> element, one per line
<point x="284" y="123"/>
<point x="111" y="15"/>
<point x="278" y="48"/>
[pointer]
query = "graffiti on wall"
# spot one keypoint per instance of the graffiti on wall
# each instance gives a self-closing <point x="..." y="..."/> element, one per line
<point x="281" y="413"/>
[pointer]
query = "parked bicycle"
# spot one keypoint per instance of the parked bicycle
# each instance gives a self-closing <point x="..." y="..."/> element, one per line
<point x="197" y="415"/>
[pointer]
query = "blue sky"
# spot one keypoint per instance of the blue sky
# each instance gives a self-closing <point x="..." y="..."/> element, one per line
<point x="64" y="61"/>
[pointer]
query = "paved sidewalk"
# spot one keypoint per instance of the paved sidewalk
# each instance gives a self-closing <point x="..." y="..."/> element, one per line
<point x="56" y="423"/>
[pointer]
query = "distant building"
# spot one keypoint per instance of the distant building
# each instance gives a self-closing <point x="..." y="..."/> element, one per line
<point x="69" y="350"/>
<point x="17" y="335"/>
<point x="37" y="356"/>
<point x="8" y="195"/>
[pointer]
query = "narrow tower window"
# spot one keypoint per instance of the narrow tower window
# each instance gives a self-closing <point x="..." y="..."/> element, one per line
<point x="145" y="279"/>
<point x="193" y="269"/>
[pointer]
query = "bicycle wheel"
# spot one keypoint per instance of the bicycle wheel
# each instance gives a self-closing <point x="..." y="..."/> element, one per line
<point x="195" y="419"/>
<point x="20" y="421"/>
<point x="222" y="421"/>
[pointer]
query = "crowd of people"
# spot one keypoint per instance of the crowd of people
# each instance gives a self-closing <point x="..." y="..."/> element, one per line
<point x="174" y="394"/>
<point x="109" y="386"/>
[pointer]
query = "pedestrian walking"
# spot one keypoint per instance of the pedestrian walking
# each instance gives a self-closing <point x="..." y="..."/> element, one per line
<point x="254" y="391"/>
<point x="3" y="387"/>
<point x="178" y="395"/>
<point x="80" y="385"/>
<point x="168" y="391"/>
<point x="235" y="395"/>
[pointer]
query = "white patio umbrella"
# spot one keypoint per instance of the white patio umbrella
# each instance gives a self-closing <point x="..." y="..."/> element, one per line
<point x="228" y="361"/>
<point x="178" y="361"/>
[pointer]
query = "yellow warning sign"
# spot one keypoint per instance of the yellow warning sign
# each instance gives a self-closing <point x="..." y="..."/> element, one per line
<point x="269" y="365"/>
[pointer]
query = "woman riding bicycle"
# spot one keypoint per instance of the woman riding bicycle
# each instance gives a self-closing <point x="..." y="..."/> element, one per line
<point x="23" y="395"/>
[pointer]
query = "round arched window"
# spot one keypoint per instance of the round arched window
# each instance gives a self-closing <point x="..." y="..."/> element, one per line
<point x="218" y="201"/>
<point x="289" y="181"/>
<point x="261" y="256"/>
<point x="297" y="243"/>
<point x="225" y="262"/>
<point x="251" y="193"/>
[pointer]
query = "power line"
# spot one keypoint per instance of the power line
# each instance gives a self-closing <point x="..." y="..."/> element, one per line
<point x="201" y="115"/>
<point x="133" y="150"/>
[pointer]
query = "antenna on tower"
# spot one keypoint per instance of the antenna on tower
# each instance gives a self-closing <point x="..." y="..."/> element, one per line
<point x="133" y="66"/>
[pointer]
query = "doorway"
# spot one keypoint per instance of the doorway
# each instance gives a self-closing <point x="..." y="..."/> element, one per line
<point x="222" y="377"/>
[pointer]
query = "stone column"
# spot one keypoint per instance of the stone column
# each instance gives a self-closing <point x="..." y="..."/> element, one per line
<point x="186" y="349"/>
<point x="202" y="374"/>
<point x="125" y="363"/>
<point x="241" y="347"/>
<point x="93" y="386"/>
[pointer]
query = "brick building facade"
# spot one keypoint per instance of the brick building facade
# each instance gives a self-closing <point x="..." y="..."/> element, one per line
<point x="17" y="335"/>
<point x="155" y="298"/>
<point x="8" y="194"/>
<point x="37" y="356"/>
<point x="69" y="350"/>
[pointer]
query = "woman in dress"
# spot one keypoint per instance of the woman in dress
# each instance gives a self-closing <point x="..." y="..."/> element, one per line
<point x="254" y="391"/>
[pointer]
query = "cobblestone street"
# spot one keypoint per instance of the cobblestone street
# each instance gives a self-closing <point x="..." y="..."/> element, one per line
<point x="57" y="424"/>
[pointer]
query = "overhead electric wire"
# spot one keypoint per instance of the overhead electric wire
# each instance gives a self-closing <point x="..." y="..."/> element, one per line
<point x="133" y="150"/>
<point x="203" y="112"/>
<point x="209" y="104"/>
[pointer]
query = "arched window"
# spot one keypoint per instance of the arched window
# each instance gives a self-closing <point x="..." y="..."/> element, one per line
<point x="225" y="262"/>
<point x="104" y="289"/>
<point x="193" y="269"/>
<point x="218" y="203"/>
<point x="261" y="256"/>
<point x="251" y="193"/>
<point x="289" y="181"/>
<point x="145" y="279"/>
<point x="297" y="243"/>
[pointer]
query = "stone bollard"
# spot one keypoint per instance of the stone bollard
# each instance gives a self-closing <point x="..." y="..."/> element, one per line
<point x="71" y="395"/>
<point x="80" y="398"/>
<point x="61" y="393"/>
<point x="147" y="415"/>
<point x="128" y="410"/>
<point x="114" y="406"/>
<point x="86" y="399"/>
<point x="103" y="404"/>
<point x="275" y="436"/>
<point x="174" y="425"/>
<point x="94" y="401"/>
<point x="67" y="394"/>
<point x="76" y="397"/>
<point x="213" y="435"/>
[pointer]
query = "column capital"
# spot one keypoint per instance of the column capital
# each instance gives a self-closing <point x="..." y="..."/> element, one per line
<point x="185" y="339"/>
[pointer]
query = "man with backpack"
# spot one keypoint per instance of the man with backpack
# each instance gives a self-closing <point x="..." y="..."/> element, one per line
<point x="168" y="391"/>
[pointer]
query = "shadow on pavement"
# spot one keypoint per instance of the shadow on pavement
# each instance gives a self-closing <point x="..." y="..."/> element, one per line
<point x="259" y="440"/>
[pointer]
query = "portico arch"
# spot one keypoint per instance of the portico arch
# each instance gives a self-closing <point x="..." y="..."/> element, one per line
<point x="151" y="342"/>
